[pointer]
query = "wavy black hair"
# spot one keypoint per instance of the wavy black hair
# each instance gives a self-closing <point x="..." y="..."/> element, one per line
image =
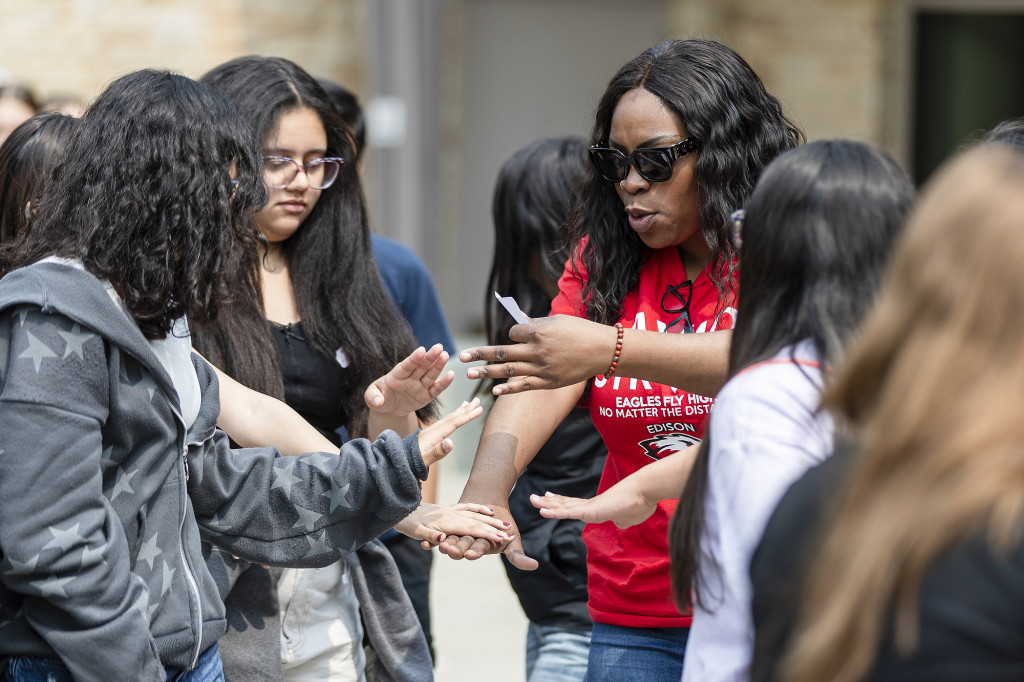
<point x="818" y="230"/>
<point x="339" y="293"/>
<point x="144" y="198"/>
<point x="28" y="157"/>
<point x="533" y="196"/>
<point x="741" y="128"/>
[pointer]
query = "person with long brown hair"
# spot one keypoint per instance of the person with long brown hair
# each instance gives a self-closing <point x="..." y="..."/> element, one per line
<point x="919" y="561"/>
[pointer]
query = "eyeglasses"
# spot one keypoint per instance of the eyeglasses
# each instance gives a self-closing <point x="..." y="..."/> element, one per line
<point x="279" y="171"/>
<point x="737" y="217"/>
<point x="654" y="164"/>
<point x="681" y="305"/>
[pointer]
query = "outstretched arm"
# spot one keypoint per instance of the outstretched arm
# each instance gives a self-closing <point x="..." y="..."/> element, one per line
<point x="253" y="419"/>
<point x="630" y="501"/>
<point x="516" y="428"/>
<point x="560" y="350"/>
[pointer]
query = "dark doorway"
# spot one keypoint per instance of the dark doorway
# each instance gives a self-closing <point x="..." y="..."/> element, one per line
<point x="969" y="77"/>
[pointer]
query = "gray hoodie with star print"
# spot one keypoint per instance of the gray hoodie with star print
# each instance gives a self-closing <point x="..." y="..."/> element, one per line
<point x="105" y="495"/>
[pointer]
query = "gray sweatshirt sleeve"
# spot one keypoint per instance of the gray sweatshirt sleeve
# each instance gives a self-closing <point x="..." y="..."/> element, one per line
<point x="305" y="511"/>
<point x="64" y="550"/>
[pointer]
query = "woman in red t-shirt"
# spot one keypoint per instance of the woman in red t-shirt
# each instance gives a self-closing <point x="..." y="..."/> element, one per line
<point x="681" y="135"/>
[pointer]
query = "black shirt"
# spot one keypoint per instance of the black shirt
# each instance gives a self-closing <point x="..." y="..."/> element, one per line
<point x="570" y="463"/>
<point x="315" y="386"/>
<point x="971" y="599"/>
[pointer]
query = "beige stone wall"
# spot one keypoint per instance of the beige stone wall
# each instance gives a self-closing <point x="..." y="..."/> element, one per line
<point x="78" y="46"/>
<point x="825" y="59"/>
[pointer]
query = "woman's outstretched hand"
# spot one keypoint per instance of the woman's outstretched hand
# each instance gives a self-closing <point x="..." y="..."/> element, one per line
<point x="623" y="503"/>
<point x="434" y="441"/>
<point x="472" y="548"/>
<point x="411" y="384"/>
<point x="555" y="351"/>
<point x="431" y="523"/>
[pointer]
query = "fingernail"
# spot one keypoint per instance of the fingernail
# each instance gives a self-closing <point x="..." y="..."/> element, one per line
<point x="439" y="536"/>
<point x="490" y="510"/>
<point x="507" y="524"/>
<point x="464" y="403"/>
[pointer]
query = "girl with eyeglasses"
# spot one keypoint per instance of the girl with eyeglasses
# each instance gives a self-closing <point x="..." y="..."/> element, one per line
<point x="312" y="324"/>
<point x="681" y="135"/>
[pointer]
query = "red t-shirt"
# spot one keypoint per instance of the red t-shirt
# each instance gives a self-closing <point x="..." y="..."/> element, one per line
<point x="641" y="421"/>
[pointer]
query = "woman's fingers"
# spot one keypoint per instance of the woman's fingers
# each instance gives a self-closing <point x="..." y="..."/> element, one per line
<point x="437" y="452"/>
<point x="473" y="507"/>
<point x="491" y="353"/>
<point x="554" y="506"/>
<point x="439" y="386"/>
<point x="373" y="396"/>
<point x="433" y="440"/>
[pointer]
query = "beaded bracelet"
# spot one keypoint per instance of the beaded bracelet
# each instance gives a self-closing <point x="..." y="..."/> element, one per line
<point x="618" y="351"/>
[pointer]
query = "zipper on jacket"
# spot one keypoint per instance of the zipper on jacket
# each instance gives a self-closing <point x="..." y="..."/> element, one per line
<point x="289" y="642"/>
<point x="189" y="578"/>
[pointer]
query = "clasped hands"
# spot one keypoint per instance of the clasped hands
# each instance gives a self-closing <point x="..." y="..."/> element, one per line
<point x="411" y="384"/>
<point x="626" y="504"/>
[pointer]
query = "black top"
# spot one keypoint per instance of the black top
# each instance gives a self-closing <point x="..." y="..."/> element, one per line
<point x="570" y="463"/>
<point x="971" y="600"/>
<point x="315" y="386"/>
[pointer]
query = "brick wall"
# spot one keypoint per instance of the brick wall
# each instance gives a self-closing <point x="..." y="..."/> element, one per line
<point x="78" y="46"/>
<point x="825" y="59"/>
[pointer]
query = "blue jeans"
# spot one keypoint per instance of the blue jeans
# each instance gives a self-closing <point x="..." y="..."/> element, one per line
<point x="648" y="654"/>
<point x="208" y="669"/>
<point x="555" y="654"/>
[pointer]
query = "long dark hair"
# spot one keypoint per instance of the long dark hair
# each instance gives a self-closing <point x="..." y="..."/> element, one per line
<point x="27" y="158"/>
<point x="340" y="296"/>
<point x="741" y="128"/>
<point x="819" y="227"/>
<point x="144" y="198"/>
<point x="533" y="196"/>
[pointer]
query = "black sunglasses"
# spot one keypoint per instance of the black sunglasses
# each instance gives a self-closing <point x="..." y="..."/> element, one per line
<point x="682" y="310"/>
<point x="654" y="164"/>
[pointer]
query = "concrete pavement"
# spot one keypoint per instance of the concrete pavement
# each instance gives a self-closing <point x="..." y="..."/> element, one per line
<point x="479" y="627"/>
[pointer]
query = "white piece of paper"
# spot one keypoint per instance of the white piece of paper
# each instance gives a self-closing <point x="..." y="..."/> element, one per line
<point x="512" y="307"/>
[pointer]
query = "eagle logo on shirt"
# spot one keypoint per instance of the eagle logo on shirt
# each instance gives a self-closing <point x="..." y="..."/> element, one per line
<point x="667" y="443"/>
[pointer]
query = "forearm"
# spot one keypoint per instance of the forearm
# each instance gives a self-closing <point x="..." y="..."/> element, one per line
<point x="430" y="485"/>
<point x="320" y="506"/>
<point x="664" y="479"/>
<point x="378" y="422"/>
<point x="253" y="420"/>
<point x="697" y="363"/>
<point x="516" y="428"/>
